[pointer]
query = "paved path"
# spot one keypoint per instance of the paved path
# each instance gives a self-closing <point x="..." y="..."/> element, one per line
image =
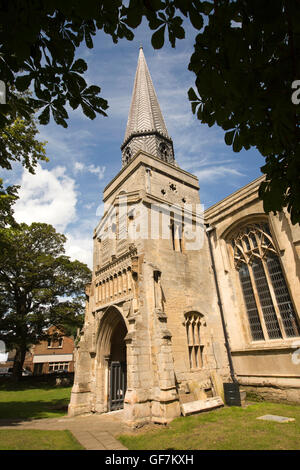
<point x="94" y="432"/>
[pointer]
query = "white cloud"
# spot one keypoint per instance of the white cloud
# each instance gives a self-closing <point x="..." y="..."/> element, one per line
<point x="98" y="170"/>
<point x="49" y="196"/>
<point x="78" y="167"/>
<point x="80" y="247"/>
<point x="89" y="206"/>
<point x="216" y="172"/>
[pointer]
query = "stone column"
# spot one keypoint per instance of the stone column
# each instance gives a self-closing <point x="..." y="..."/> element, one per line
<point x="80" y="401"/>
<point x="103" y="291"/>
<point x="107" y="289"/>
<point x="124" y="277"/>
<point x="165" y="403"/>
<point x="100" y="292"/>
<point x="128" y="274"/>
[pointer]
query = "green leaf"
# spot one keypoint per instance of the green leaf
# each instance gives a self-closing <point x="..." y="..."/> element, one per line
<point x="88" y="110"/>
<point x="200" y="113"/>
<point x="89" y="41"/>
<point x="229" y="137"/>
<point x="134" y="17"/>
<point x="44" y="117"/>
<point x="196" y="18"/>
<point x="154" y="22"/>
<point x="92" y="90"/>
<point x="179" y="32"/>
<point x="192" y="95"/>
<point x="23" y="82"/>
<point x="79" y="66"/>
<point x="158" y="38"/>
<point x="206" y="7"/>
<point x="194" y="105"/>
<point x="237" y="143"/>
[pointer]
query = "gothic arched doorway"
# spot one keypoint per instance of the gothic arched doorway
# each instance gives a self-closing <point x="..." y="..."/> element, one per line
<point x="117" y="367"/>
<point x="111" y="373"/>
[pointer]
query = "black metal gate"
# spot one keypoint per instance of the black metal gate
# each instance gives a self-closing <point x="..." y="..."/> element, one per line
<point x="118" y="385"/>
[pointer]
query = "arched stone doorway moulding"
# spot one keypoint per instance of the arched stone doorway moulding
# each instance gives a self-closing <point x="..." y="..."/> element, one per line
<point x="111" y="321"/>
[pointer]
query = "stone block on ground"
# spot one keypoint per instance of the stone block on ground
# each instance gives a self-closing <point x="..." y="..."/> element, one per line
<point x="201" y="405"/>
<point x="277" y="419"/>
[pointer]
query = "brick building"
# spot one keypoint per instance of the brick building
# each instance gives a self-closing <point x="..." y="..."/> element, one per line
<point x="54" y="355"/>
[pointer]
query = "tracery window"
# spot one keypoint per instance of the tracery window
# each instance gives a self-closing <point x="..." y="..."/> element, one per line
<point x="269" y="307"/>
<point x="128" y="154"/>
<point x="193" y="323"/>
<point x="164" y="151"/>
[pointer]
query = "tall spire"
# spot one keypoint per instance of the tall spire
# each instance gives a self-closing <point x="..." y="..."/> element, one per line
<point x="146" y="128"/>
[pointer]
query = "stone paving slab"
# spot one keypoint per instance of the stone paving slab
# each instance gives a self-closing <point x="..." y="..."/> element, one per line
<point x="93" y="432"/>
<point x="277" y="419"/>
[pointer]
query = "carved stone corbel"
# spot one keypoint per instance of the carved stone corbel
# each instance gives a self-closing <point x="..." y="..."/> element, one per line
<point x="166" y="334"/>
<point x="161" y="315"/>
<point x="129" y="337"/>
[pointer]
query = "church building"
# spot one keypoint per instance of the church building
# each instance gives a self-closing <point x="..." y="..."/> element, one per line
<point x="183" y="301"/>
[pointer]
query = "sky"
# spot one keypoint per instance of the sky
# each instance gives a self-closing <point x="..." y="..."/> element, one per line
<point x="67" y="191"/>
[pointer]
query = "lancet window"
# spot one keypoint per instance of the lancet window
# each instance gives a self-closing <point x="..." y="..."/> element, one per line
<point x="193" y="325"/>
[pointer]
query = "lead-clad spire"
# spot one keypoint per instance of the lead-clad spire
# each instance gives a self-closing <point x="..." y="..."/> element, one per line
<point x="146" y="128"/>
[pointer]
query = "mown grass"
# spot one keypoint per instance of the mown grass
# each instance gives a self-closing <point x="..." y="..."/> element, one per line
<point x="11" y="439"/>
<point x="229" y="428"/>
<point x="23" y="401"/>
<point x="33" y="401"/>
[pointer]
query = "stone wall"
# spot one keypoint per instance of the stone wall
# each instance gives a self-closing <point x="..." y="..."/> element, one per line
<point x="266" y="364"/>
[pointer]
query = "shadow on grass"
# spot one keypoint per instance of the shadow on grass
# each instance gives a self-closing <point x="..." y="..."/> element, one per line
<point x="13" y="412"/>
<point x="21" y="386"/>
<point x="46" y="382"/>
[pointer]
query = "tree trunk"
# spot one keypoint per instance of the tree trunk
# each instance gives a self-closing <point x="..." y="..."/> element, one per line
<point x="18" y="363"/>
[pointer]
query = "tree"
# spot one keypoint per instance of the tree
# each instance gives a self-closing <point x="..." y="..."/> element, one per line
<point x="245" y="61"/>
<point x="39" y="287"/>
<point x="7" y="199"/>
<point x="18" y="142"/>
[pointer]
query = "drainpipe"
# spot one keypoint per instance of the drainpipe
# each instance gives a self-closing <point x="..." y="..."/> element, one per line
<point x="232" y="374"/>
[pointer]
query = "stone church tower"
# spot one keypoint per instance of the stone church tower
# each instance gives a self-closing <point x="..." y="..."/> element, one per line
<point x="153" y="335"/>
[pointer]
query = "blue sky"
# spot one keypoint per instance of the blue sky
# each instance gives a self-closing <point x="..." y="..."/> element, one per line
<point x="67" y="191"/>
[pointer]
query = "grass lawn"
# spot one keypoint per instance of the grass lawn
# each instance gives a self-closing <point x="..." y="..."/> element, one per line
<point x="32" y="401"/>
<point x="25" y="401"/>
<point x="228" y="428"/>
<point x="11" y="439"/>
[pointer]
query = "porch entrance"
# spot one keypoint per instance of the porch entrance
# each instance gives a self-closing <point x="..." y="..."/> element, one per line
<point x="118" y="385"/>
<point x="117" y="367"/>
